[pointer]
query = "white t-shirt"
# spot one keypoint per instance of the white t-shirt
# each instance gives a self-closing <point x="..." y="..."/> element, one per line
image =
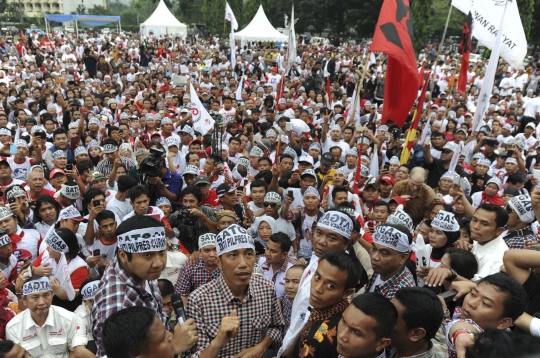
<point x="305" y="246"/>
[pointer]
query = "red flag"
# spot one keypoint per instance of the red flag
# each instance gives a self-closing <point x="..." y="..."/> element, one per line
<point x="279" y="92"/>
<point x="465" y="50"/>
<point x="278" y="151"/>
<point x="357" y="174"/>
<point x="394" y="36"/>
<point x="328" y="93"/>
<point x="421" y="73"/>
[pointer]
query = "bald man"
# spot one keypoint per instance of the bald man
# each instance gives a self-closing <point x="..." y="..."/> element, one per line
<point x="419" y="196"/>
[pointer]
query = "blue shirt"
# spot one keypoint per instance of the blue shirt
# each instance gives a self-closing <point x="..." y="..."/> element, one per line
<point x="172" y="181"/>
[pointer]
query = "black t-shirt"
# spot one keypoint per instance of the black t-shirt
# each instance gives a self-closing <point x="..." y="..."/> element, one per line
<point x="436" y="171"/>
<point x="532" y="286"/>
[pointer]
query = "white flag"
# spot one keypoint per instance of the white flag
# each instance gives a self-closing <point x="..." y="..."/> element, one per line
<point x="485" y="92"/>
<point x="229" y="16"/>
<point x="291" y="54"/>
<point x="233" y="50"/>
<point x="202" y="121"/>
<point x="240" y="89"/>
<point x="487" y="16"/>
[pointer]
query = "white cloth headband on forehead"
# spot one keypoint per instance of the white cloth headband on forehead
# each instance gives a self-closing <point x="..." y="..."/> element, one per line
<point x="55" y="242"/>
<point x="143" y="240"/>
<point x="233" y="238"/>
<point x="522" y="206"/>
<point x="272" y="196"/>
<point x="15" y="192"/>
<point x="207" y="239"/>
<point x="392" y="238"/>
<point x="35" y="286"/>
<point x="89" y="290"/>
<point x="5" y="240"/>
<point x="338" y="222"/>
<point x="445" y="221"/>
<point x="312" y="190"/>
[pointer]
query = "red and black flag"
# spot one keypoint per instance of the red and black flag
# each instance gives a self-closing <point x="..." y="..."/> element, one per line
<point x="465" y="50"/>
<point x="394" y="36"/>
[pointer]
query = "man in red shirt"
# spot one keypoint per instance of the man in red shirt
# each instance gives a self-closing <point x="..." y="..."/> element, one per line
<point x="209" y="196"/>
<point x="36" y="182"/>
<point x="166" y="84"/>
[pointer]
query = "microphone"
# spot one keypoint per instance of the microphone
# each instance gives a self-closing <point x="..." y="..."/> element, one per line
<point x="178" y="306"/>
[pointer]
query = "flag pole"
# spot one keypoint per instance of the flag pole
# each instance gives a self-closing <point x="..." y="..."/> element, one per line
<point x="445" y="28"/>
<point x="358" y="90"/>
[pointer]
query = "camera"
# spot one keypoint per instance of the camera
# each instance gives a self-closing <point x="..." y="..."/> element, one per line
<point x="396" y="133"/>
<point x="151" y="165"/>
<point x="491" y="141"/>
<point x="185" y="216"/>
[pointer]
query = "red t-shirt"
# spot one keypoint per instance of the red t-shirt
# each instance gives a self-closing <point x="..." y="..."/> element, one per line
<point x="77" y="277"/>
<point x="212" y="199"/>
<point x="43" y="191"/>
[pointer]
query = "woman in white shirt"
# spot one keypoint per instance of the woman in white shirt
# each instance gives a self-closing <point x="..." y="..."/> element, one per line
<point x="443" y="234"/>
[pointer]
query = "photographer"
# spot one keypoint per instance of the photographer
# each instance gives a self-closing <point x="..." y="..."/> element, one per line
<point x="193" y="219"/>
<point x="162" y="181"/>
<point x="90" y="62"/>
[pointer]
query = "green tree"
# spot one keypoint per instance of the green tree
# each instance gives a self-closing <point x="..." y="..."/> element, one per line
<point x="526" y="11"/>
<point x="137" y="6"/>
<point x="420" y="13"/>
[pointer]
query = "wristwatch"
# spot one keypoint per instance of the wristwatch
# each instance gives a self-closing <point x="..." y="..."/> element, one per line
<point x="162" y="186"/>
<point x="453" y="277"/>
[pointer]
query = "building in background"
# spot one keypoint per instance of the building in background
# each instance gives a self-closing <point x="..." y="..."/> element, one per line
<point x="35" y="8"/>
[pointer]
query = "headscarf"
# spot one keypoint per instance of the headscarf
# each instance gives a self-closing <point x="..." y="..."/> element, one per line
<point x="258" y="221"/>
<point x="492" y="199"/>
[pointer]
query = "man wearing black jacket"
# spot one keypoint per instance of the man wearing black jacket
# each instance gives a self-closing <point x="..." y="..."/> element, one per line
<point x="329" y="66"/>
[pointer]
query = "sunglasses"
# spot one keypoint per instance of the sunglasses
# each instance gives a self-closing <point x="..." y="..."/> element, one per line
<point x="272" y="205"/>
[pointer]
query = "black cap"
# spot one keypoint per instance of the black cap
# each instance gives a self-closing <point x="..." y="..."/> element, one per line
<point x="223" y="189"/>
<point x="327" y="159"/>
<point x="202" y="179"/>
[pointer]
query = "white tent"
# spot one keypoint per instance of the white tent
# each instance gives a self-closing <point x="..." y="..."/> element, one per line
<point x="260" y="29"/>
<point x="162" y="21"/>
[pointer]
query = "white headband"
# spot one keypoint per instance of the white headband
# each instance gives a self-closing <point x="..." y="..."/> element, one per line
<point x="15" y="192"/>
<point x="338" y="222"/>
<point x="5" y="240"/>
<point x="151" y="239"/>
<point x="55" y="242"/>
<point x="41" y="285"/>
<point x="70" y="191"/>
<point x="233" y="238"/>
<point x="89" y="290"/>
<point x="273" y="196"/>
<point x="207" y="239"/>
<point x="522" y="206"/>
<point x="392" y="238"/>
<point x="445" y="221"/>
<point x="109" y="148"/>
<point x="312" y="190"/>
<point x="400" y="217"/>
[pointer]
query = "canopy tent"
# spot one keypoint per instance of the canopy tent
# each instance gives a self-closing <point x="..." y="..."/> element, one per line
<point x="260" y="29"/>
<point x="162" y="22"/>
<point x="91" y="20"/>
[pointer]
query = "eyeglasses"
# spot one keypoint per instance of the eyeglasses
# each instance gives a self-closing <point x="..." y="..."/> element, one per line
<point x="272" y="205"/>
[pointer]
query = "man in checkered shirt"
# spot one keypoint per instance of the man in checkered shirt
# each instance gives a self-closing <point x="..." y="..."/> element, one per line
<point x="131" y="278"/>
<point x="391" y="249"/>
<point x="237" y="313"/>
<point x="194" y="275"/>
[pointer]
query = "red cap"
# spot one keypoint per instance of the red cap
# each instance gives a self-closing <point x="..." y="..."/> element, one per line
<point x="388" y="179"/>
<point x="399" y="200"/>
<point x="56" y="171"/>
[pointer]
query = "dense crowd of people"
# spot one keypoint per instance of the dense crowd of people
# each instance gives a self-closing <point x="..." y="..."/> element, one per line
<point x="292" y="227"/>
